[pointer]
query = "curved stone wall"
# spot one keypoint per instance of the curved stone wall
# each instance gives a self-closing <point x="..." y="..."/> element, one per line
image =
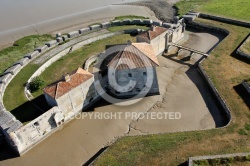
<point x="9" y="125"/>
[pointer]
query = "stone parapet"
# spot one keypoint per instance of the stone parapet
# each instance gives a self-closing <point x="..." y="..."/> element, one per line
<point x="14" y="69"/>
<point x="32" y="55"/>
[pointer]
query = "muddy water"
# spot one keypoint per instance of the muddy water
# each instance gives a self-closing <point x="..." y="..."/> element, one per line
<point x="81" y="139"/>
<point x="16" y="13"/>
<point x="28" y="17"/>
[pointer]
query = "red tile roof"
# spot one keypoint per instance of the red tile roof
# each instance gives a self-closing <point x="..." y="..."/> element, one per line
<point x="61" y="87"/>
<point x="136" y="55"/>
<point x="151" y="34"/>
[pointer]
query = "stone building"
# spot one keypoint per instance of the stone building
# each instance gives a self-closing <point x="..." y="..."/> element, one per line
<point x="160" y="37"/>
<point x="132" y="71"/>
<point x="72" y="93"/>
<point x="156" y="36"/>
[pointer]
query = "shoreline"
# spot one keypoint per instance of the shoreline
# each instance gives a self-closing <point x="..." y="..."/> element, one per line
<point x="72" y="22"/>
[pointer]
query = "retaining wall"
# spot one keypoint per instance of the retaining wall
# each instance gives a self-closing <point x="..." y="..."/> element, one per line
<point x="14" y="69"/>
<point x="203" y="72"/>
<point x="215" y="91"/>
<point x="192" y="159"/>
<point x="95" y="27"/>
<point x="208" y="27"/>
<point x="51" y="43"/>
<point x="84" y="31"/>
<point x="23" y="62"/>
<point x="32" y="55"/>
<point x="73" y="34"/>
<point x="5" y="79"/>
<point x="2" y="89"/>
<point x="89" y="61"/>
<point x="42" y="49"/>
<point x="239" y="50"/>
<point x="246" y="86"/>
<point x="225" y="20"/>
<point x="106" y="25"/>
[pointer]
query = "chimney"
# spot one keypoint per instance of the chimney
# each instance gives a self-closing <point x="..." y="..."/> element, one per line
<point x="129" y="43"/>
<point x="152" y="28"/>
<point x="67" y="78"/>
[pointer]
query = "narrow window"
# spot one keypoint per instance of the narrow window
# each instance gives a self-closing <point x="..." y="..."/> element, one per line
<point x="129" y="75"/>
<point x="144" y="73"/>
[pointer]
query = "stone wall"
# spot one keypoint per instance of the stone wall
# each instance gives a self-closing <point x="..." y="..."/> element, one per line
<point x="193" y="159"/>
<point x="246" y="86"/>
<point x="239" y="50"/>
<point x="95" y="27"/>
<point x="89" y="61"/>
<point x="84" y="31"/>
<point x="203" y="72"/>
<point x="14" y="69"/>
<point x="208" y="27"/>
<point x="22" y="138"/>
<point x="225" y="20"/>
<point x="215" y="92"/>
<point x="137" y="81"/>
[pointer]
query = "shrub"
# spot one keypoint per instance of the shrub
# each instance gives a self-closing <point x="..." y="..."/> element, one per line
<point x="248" y="157"/>
<point x="247" y="126"/>
<point x="242" y="132"/>
<point x="36" y="84"/>
<point x="201" y="163"/>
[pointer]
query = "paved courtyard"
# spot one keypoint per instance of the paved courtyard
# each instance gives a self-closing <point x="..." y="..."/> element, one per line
<point x="181" y="90"/>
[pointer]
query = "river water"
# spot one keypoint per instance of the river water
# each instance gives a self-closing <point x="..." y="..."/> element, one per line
<point x="17" y="13"/>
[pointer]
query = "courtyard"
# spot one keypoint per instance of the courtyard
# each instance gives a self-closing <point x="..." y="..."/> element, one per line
<point x="182" y="90"/>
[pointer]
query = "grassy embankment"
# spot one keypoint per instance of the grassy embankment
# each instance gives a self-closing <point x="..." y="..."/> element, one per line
<point x="235" y="9"/>
<point x="14" y="96"/>
<point x="226" y="72"/>
<point x="10" y="55"/>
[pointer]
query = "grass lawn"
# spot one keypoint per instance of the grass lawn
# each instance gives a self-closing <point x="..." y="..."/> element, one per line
<point x="126" y="27"/>
<point x="235" y="9"/>
<point x="14" y="98"/>
<point x="77" y="58"/>
<point x="10" y="55"/>
<point x="226" y="72"/>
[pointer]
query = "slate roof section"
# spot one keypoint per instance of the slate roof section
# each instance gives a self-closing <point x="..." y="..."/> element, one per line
<point x="136" y="55"/>
<point x="61" y="87"/>
<point x="151" y="34"/>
